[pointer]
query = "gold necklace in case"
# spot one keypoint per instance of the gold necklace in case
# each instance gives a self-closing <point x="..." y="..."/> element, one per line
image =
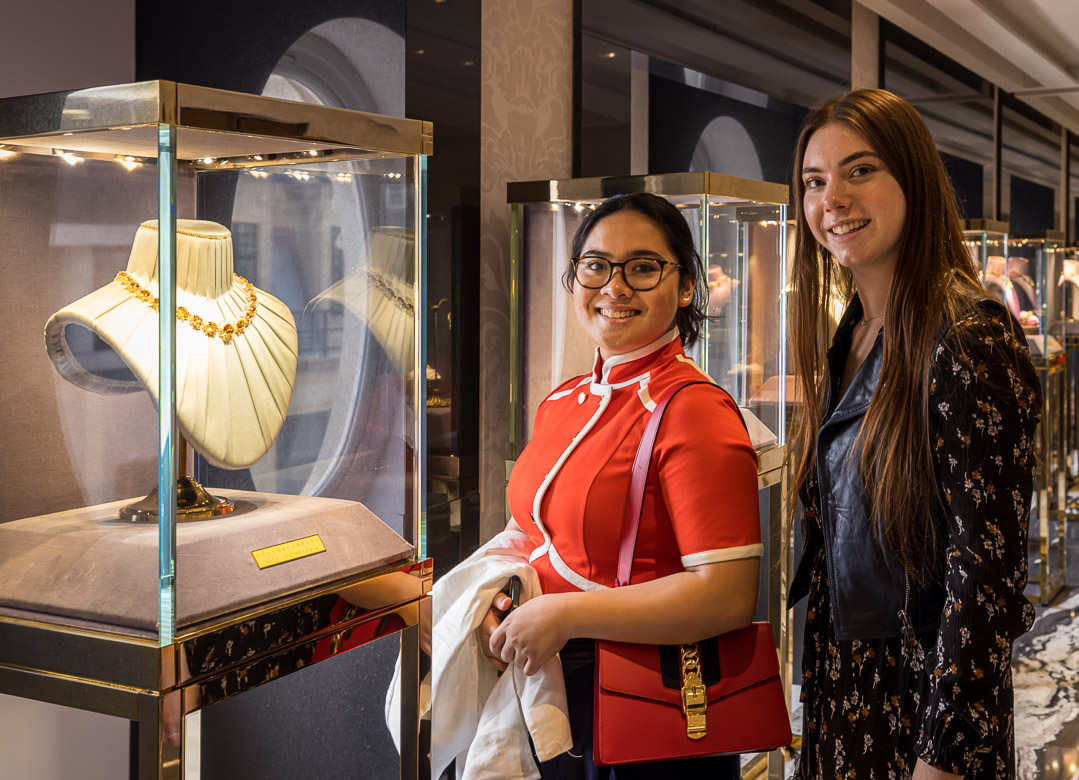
<point x="224" y="332"/>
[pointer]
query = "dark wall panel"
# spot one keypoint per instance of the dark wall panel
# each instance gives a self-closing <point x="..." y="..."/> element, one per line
<point x="968" y="180"/>
<point x="1031" y="207"/>
<point x="235" y="45"/>
<point x="679" y="114"/>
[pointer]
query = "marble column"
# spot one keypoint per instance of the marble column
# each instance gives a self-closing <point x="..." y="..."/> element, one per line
<point x="526" y="115"/>
<point x="865" y="43"/>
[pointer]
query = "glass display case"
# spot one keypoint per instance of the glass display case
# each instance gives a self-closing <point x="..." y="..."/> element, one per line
<point x="213" y="408"/>
<point x="987" y="242"/>
<point x="1037" y="287"/>
<point x="1069" y="308"/>
<point x="740" y="230"/>
<point x="1037" y="279"/>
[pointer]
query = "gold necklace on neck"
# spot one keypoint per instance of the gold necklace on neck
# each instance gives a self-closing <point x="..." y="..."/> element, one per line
<point x="866" y="321"/>
<point x="224" y="332"/>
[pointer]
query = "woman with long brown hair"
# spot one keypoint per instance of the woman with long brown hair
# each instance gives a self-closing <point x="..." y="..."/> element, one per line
<point x="914" y="460"/>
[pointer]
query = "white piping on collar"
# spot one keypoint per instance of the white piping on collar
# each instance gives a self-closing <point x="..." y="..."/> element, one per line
<point x="691" y="362"/>
<point x="555" y="396"/>
<point x="646" y="397"/>
<point x="599" y="388"/>
<point x="537" y="500"/>
<point x="629" y="357"/>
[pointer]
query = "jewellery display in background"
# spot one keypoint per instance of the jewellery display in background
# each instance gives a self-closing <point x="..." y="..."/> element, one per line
<point x="1035" y="264"/>
<point x="1069" y="282"/>
<point x="435" y="378"/>
<point x="720" y="288"/>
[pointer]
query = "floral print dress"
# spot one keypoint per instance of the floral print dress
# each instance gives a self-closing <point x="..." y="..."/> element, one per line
<point x="872" y="708"/>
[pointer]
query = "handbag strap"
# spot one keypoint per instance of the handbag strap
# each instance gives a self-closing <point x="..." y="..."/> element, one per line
<point x="638" y="481"/>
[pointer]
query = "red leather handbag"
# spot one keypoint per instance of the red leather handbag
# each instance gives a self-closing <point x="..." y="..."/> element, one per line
<point x="659" y="702"/>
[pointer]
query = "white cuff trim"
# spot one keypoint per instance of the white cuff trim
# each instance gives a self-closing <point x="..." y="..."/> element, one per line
<point x="725" y="554"/>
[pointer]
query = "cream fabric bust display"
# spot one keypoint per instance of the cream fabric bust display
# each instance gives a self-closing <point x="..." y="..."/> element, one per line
<point x="232" y="388"/>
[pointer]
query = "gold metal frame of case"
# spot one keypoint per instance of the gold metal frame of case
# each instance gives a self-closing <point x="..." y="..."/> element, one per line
<point x="668" y="184"/>
<point x="133" y="677"/>
<point x="40" y="123"/>
<point x="695" y="187"/>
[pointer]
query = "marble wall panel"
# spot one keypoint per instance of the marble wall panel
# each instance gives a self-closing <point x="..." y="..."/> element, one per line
<point x="525" y="133"/>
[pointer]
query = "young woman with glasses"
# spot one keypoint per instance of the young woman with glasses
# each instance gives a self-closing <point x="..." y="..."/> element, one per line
<point x="915" y="457"/>
<point x="638" y="290"/>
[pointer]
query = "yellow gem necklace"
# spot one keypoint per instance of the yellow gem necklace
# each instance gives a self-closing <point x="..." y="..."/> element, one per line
<point x="224" y="332"/>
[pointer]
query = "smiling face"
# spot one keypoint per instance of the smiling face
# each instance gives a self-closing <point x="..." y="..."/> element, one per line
<point x="618" y="318"/>
<point x="853" y="204"/>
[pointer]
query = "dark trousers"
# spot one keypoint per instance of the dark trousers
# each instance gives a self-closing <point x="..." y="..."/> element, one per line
<point x="579" y="669"/>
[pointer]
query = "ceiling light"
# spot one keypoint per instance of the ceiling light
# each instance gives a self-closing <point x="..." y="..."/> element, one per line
<point x="129" y="162"/>
<point x="67" y="157"/>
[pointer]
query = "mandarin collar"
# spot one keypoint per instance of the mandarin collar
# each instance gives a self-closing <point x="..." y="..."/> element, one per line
<point x="630" y="365"/>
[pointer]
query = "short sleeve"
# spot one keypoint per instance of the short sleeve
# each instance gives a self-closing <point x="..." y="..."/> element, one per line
<point x="707" y="472"/>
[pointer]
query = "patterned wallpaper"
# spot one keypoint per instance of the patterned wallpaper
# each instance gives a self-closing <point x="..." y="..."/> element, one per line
<point x="525" y="133"/>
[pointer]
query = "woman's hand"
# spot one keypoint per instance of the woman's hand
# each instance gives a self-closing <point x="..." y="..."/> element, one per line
<point x="531" y="635"/>
<point x="491" y="621"/>
<point x="922" y="771"/>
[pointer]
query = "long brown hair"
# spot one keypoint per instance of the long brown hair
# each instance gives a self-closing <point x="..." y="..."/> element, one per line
<point x="935" y="283"/>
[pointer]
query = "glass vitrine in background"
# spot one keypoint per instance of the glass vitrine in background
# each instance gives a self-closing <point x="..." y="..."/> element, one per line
<point x="1069" y="310"/>
<point x="987" y="242"/>
<point x="1036" y="278"/>
<point x="1035" y="269"/>
<point x="221" y="427"/>
<point x="740" y="229"/>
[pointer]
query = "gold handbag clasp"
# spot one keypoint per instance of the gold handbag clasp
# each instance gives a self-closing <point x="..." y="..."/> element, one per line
<point x="694" y="694"/>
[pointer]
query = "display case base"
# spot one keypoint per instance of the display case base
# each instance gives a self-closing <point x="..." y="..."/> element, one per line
<point x="193" y="502"/>
<point x="86" y="564"/>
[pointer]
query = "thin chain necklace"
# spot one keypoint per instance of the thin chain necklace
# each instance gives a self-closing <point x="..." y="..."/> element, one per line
<point x="866" y="321"/>
<point x="224" y="332"/>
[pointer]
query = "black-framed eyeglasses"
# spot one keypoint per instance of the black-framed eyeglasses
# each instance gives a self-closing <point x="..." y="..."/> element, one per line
<point x="640" y="273"/>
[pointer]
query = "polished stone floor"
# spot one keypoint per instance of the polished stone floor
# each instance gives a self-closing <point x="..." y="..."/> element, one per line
<point x="1045" y="665"/>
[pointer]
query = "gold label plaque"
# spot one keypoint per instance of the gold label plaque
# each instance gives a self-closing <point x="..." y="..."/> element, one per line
<point x="288" y="551"/>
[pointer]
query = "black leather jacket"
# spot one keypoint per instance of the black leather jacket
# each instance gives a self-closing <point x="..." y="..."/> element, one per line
<point x="866" y="581"/>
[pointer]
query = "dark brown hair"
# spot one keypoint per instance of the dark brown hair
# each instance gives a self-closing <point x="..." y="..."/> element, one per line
<point x="666" y="216"/>
<point x="935" y="283"/>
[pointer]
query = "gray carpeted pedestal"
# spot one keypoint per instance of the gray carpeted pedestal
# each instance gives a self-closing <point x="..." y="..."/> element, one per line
<point x="86" y="564"/>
